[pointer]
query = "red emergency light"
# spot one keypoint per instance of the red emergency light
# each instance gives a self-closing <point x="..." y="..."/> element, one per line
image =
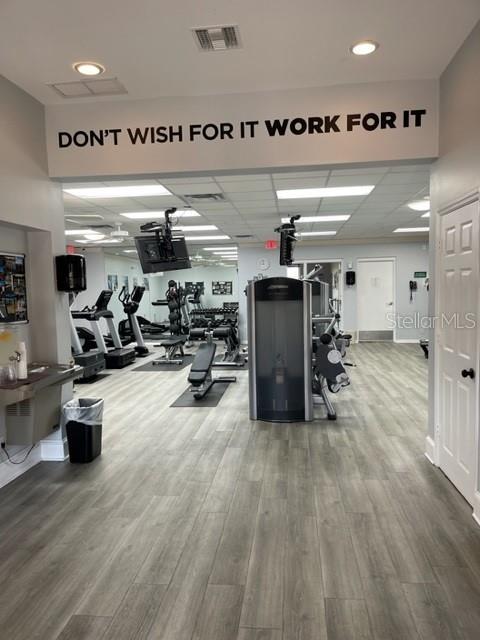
<point x="271" y="244"/>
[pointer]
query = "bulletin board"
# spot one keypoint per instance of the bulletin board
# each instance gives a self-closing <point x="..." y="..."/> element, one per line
<point x="13" y="288"/>
<point x="191" y="287"/>
<point x="222" y="288"/>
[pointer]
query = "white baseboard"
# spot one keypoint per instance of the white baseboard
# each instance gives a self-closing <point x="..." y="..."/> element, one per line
<point x="476" y="507"/>
<point x="430" y="449"/>
<point x="9" y="471"/>
<point x="54" y="450"/>
<point x="405" y="341"/>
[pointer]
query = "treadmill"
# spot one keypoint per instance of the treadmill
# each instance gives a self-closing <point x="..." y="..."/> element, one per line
<point x="119" y="356"/>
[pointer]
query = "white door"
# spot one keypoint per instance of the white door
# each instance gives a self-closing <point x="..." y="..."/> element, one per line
<point x="375" y="296"/>
<point x="457" y="342"/>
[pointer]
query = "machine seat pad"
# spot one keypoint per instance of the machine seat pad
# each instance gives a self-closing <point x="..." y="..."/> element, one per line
<point x="197" y="379"/>
<point x="197" y="332"/>
<point x="203" y="358"/>
<point x="173" y="341"/>
<point x="346" y="336"/>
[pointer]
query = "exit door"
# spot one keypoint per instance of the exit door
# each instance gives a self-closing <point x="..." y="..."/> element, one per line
<point x="375" y="299"/>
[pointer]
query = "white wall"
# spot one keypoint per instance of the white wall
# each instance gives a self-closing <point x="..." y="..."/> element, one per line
<point x="29" y="199"/>
<point x="128" y="267"/>
<point x="409" y="257"/>
<point x="203" y="274"/>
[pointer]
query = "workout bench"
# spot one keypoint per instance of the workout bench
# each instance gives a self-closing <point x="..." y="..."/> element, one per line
<point x="200" y="376"/>
<point x="173" y="351"/>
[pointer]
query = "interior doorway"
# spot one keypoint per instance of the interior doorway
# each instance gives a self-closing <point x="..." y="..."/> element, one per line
<point x="375" y="299"/>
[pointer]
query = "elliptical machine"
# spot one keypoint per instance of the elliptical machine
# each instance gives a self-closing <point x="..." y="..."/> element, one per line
<point x="131" y="303"/>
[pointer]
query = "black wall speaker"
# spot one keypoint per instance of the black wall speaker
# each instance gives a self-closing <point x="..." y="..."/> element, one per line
<point x="350" y="278"/>
<point x="71" y="273"/>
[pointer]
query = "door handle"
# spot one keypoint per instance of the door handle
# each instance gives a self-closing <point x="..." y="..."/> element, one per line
<point x="468" y="373"/>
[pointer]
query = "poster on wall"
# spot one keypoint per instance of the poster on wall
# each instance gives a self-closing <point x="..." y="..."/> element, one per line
<point x="191" y="287"/>
<point x="112" y="282"/>
<point x="146" y="284"/>
<point x="222" y="288"/>
<point x="13" y="289"/>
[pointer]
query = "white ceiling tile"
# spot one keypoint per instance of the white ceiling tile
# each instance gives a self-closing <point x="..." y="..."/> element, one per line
<point x="307" y="175"/>
<point x="359" y="171"/>
<point x="260" y="196"/>
<point x="186" y="181"/>
<point x="421" y="178"/>
<point x="196" y="189"/>
<point x="410" y="167"/>
<point x="246" y="185"/>
<point x="354" y="180"/>
<point x="300" y="183"/>
<point x="243" y="177"/>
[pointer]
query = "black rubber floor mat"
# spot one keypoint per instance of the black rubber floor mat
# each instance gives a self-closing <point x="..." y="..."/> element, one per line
<point x="218" y="364"/>
<point x="148" y="366"/>
<point x="212" y="398"/>
<point x="97" y="378"/>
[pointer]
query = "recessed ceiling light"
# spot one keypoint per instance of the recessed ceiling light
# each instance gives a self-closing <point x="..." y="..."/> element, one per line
<point x="196" y="227"/>
<point x="364" y="47"/>
<point x="230" y="259"/>
<point x="77" y="232"/>
<point x="318" y="233"/>
<point x="324" y="192"/>
<point x="112" y="241"/>
<point x="306" y="219"/>
<point x="94" y="236"/>
<point x="225" y="252"/>
<point x="147" y="215"/>
<point x="412" y="230"/>
<point x="132" y="191"/>
<point x="129" y="251"/>
<point x="420" y="205"/>
<point x="89" y="68"/>
<point x="426" y="215"/>
<point x="219" y="247"/>
<point x="196" y="238"/>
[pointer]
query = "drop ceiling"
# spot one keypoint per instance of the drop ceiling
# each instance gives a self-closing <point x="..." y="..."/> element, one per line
<point x="149" y="47"/>
<point x="251" y="207"/>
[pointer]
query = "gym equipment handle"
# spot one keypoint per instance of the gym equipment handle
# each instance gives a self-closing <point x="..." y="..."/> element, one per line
<point x="468" y="373"/>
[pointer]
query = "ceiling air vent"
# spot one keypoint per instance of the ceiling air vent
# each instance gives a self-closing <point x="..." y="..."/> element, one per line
<point x="217" y="38"/>
<point x="89" y="88"/>
<point x="205" y="197"/>
<point x="244" y="235"/>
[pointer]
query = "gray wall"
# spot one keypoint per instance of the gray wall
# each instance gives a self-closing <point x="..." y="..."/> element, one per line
<point x="457" y="171"/>
<point x="32" y="202"/>
<point x="410" y="257"/>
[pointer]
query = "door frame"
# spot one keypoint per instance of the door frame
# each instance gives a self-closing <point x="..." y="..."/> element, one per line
<point x="305" y="261"/>
<point x="393" y="260"/>
<point x="470" y="198"/>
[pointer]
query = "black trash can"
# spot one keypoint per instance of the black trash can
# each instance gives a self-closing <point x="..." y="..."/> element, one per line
<point x="83" y="422"/>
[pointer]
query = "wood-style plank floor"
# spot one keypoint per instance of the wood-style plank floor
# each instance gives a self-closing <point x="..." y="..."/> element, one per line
<point x="197" y="524"/>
